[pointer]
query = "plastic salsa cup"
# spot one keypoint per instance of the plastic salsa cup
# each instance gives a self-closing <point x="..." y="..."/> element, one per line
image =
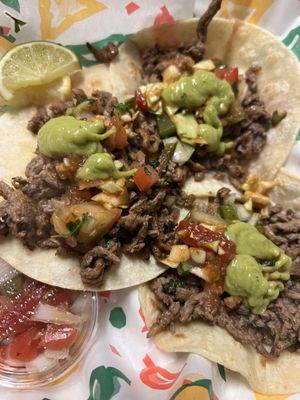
<point x="44" y="330"/>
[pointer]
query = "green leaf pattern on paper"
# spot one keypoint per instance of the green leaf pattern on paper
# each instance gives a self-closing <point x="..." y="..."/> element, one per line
<point x="222" y="371"/>
<point x="17" y="22"/>
<point x="292" y="41"/>
<point x="85" y="57"/>
<point x="104" y="383"/>
<point x="14" y="4"/>
<point x="117" y="318"/>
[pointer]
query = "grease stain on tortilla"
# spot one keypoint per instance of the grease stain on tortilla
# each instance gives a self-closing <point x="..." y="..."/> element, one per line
<point x="273" y="58"/>
<point x="180" y="335"/>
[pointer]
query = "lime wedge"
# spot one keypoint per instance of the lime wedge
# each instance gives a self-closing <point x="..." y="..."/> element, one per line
<point x="58" y="90"/>
<point x="34" y="64"/>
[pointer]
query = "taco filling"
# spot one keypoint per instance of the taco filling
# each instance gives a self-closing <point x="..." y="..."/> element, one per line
<point x="107" y="177"/>
<point x="236" y="275"/>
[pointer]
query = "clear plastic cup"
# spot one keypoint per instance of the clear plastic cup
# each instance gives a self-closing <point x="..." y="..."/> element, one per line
<point x="16" y="376"/>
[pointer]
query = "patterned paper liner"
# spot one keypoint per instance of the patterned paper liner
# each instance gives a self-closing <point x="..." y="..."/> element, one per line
<point x="123" y="364"/>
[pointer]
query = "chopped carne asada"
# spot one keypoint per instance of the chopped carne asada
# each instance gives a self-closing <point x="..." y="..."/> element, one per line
<point x="184" y="297"/>
<point x="116" y="171"/>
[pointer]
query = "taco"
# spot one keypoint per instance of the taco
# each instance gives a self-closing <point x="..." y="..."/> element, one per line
<point x="215" y="305"/>
<point x="95" y="196"/>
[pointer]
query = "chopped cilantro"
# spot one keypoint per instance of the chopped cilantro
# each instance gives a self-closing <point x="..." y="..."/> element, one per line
<point x="147" y="172"/>
<point x="171" y="286"/>
<point x="75" y="226"/>
<point x="120" y="109"/>
<point x="104" y="242"/>
<point x="153" y="163"/>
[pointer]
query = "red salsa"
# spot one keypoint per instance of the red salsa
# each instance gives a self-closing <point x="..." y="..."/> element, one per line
<point x="35" y="318"/>
<point x="219" y="251"/>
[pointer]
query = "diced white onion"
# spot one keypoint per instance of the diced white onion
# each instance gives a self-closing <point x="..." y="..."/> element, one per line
<point x="54" y="315"/>
<point x="182" y="153"/>
<point x="254" y="219"/>
<point x="202" y="217"/>
<point x="7" y="272"/>
<point x="40" y="363"/>
<point x="242" y="213"/>
<point x="230" y="199"/>
<point x="57" y="354"/>
<point x="179" y="253"/>
<point x="208" y="65"/>
<point x="198" y="255"/>
<point x="82" y="304"/>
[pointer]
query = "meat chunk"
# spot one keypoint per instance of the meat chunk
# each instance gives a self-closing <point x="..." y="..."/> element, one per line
<point x="283" y="228"/>
<point x="182" y="299"/>
<point x="42" y="179"/>
<point x="38" y="120"/>
<point x="20" y="215"/>
<point x="96" y="261"/>
<point x="105" y="54"/>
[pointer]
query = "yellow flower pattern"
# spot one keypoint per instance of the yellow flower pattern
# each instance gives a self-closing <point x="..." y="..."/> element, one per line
<point x="70" y="11"/>
<point x="249" y="10"/>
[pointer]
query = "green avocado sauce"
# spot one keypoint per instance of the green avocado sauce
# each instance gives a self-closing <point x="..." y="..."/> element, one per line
<point x="257" y="283"/>
<point x="67" y="135"/>
<point x="192" y="92"/>
<point x="101" y="166"/>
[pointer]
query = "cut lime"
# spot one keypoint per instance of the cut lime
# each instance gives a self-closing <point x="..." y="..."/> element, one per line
<point x="34" y="64"/>
<point x="58" y="90"/>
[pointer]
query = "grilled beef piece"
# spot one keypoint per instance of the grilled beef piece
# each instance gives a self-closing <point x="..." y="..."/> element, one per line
<point x="38" y="120"/>
<point x="42" y="181"/>
<point x="21" y="216"/>
<point x="206" y="19"/>
<point x="95" y="262"/>
<point x="104" y="104"/>
<point x="283" y="228"/>
<point x="270" y="333"/>
<point x="105" y="54"/>
<point x="144" y="135"/>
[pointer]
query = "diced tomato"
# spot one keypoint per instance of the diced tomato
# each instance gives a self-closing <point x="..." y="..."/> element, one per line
<point x="24" y="346"/>
<point x="197" y="235"/>
<point x="57" y="297"/>
<point x="140" y="101"/>
<point x="145" y="177"/>
<point x="230" y="74"/>
<point x="119" y="139"/>
<point x="58" y="337"/>
<point x="193" y="234"/>
<point x="17" y="318"/>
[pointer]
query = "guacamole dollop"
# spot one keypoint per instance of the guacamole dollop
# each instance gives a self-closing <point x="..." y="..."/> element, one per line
<point x="67" y="135"/>
<point x="192" y="92"/>
<point x="257" y="283"/>
<point x="101" y="166"/>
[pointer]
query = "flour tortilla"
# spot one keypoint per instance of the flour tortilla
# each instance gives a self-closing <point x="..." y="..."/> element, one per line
<point x="238" y="44"/>
<point x="277" y="376"/>
<point x="17" y="147"/>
